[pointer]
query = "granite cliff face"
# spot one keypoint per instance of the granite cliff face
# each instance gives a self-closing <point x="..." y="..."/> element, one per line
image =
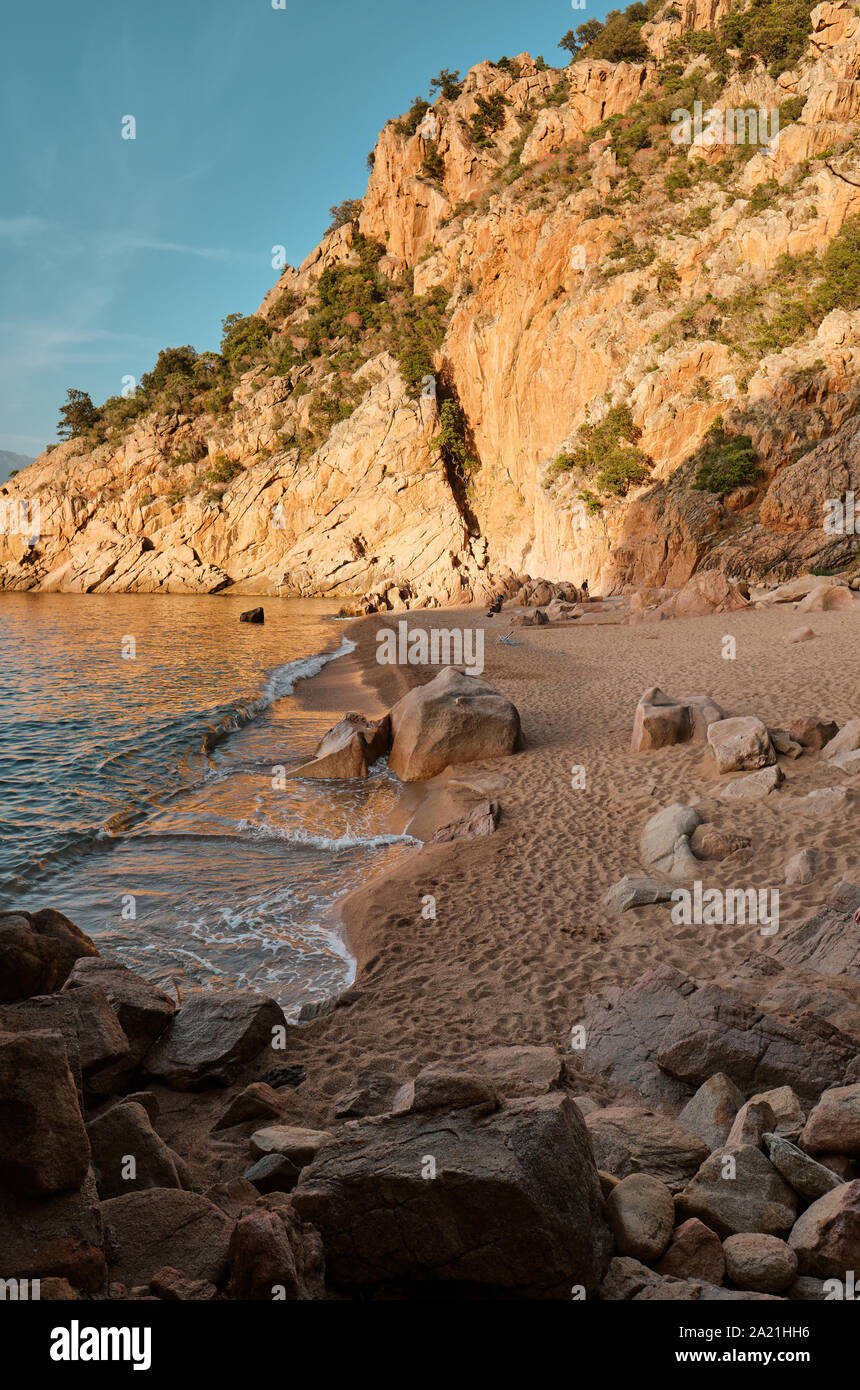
<point x="588" y="273"/>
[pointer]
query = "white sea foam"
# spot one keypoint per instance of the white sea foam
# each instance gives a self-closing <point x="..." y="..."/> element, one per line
<point x="264" y="830"/>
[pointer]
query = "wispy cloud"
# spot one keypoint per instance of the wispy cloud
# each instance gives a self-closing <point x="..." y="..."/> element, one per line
<point x="21" y="229"/>
<point x="124" y="243"/>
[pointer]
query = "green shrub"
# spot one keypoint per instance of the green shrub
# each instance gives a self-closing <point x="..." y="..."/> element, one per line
<point x="593" y="504"/>
<point x="619" y="40"/>
<point x="840" y="287"/>
<point x="447" y="84"/>
<point x="608" y="453"/>
<point x="724" y="462"/>
<point x="452" y="439"/>
<point x="408" y="124"/>
<point x="223" y="470"/>
<point x="790" y="110"/>
<point x="433" y="167"/>
<point x="489" y="117"/>
<point x="243" y="337"/>
<point x="774" y="30"/>
<point x="697" y="220"/>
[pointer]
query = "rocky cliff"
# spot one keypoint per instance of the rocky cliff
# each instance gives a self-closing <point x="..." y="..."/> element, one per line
<point x="552" y="338"/>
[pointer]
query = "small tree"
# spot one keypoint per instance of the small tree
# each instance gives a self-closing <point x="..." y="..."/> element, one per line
<point x="584" y="35"/>
<point x="77" y="415"/>
<point x="343" y="213"/>
<point x="448" y="84"/>
<point x="243" y="336"/>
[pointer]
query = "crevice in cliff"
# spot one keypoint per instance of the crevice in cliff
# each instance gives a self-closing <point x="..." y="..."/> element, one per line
<point x="456" y="444"/>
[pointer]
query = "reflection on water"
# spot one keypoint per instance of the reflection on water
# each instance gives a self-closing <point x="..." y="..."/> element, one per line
<point x="140" y="795"/>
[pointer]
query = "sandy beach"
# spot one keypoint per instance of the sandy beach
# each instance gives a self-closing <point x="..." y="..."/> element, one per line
<point x="521" y="934"/>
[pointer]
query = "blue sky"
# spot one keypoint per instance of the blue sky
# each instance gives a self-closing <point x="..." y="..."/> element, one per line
<point x="250" y="123"/>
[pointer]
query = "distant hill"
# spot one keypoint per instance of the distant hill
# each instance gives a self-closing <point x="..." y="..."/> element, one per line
<point x="10" y="461"/>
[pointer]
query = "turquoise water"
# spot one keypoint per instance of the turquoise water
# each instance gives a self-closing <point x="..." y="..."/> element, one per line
<point x="140" y="742"/>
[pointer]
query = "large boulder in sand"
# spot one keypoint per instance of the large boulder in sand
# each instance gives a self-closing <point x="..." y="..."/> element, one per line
<point x="349" y="749"/>
<point x="710" y="1113"/>
<point x="454" y="718"/>
<point x="696" y="1252"/>
<point x="86" y="1021"/>
<point x="809" y="1179"/>
<point x="272" y="1253"/>
<point x="43" y="1143"/>
<point x="826" y="1238"/>
<point x="664" y="845"/>
<point x="846" y="741"/>
<point x="763" y="1263"/>
<point x="827" y="598"/>
<point x="502" y="1204"/>
<point x="741" y="744"/>
<point x="211" y="1038"/>
<point x="641" y="1212"/>
<point x="812" y="731"/>
<point x="37" y="952"/>
<point x="624" y="1029"/>
<point x="705" y="593"/>
<point x="662" y="720"/>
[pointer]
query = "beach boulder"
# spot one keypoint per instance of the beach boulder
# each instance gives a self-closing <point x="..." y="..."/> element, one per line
<point x="762" y="1263"/>
<point x="349" y="749"/>
<point x="454" y="718"/>
<point x="505" y="1204"/>
<point x="833" y="1126"/>
<point x="85" y="1020"/>
<point x="143" y="1011"/>
<point x="741" y="744"/>
<point x="641" y="1212"/>
<point x="664" y="845"/>
<point x="211" y="1037"/>
<point x="631" y="1139"/>
<point x="54" y="1235"/>
<point x="662" y="720"/>
<point x="710" y="1113"/>
<point x="252" y="615"/>
<point x="812" y="731"/>
<point x="37" y="952"/>
<point x="696" y="1252"/>
<point x="826" y="1238"/>
<point x="826" y="598"/>
<point x="125" y="1131"/>
<point x="43" y="1143"/>
<point x="846" y="741"/>
<point x="272" y="1253"/>
<point x="753" y="1197"/>
<point x="707" y="592"/>
<point x="163" y="1226"/>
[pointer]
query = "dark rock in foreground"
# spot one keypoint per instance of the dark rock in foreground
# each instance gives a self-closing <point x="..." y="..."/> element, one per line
<point x="37" y="952"/>
<point x="211" y="1037"/>
<point x="514" y="1207"/>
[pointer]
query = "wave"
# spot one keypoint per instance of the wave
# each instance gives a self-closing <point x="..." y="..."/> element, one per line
<point x="163" y="765"/>
<point x="263" y="830"/>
